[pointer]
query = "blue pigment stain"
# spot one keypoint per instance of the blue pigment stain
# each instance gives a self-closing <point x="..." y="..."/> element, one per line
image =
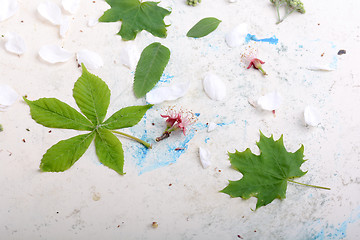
<point x="301" y="46"/>
<point x="225" y="124"/>
<point x="166" y="78"/>
<point x="197" y="114"/>
<point x="207" y="139"/>
<point x="273" y="40"/>
<point x="337" y="232"/>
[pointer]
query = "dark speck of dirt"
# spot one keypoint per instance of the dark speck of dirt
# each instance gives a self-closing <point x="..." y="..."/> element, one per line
<point x="24" y="140"/>
<point x="341" y="52"/>
<point x="28" y="129"/>
<point x="153" y="124"/>
<point x="170" y="184"/>
<point x="239" y="236"/>
<point x="49" y="131"/>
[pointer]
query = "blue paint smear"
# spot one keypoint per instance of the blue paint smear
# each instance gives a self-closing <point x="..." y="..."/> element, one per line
<point x="166" y="78"/>
<point x="165" y="152"/>
<point x="225" y="124"/>
<point x="207" y="139"/>
<point x="273" y="40"/>
<point x="338" y="232"/>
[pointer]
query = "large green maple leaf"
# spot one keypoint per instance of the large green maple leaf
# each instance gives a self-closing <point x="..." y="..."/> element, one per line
<point x="92" y="96"/>
<point x="136" y="16"/>
<point x="265" y="176"/>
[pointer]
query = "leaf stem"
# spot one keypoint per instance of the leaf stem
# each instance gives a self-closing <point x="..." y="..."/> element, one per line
<point x="134" y="138"/>
<point x="309" y="185"/>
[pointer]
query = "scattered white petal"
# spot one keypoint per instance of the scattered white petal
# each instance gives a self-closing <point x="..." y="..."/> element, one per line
<point x="324" y="68"/>
<point x="15" y="43"/>
<point x="7" y="96"/>
<point x="205" y="157"/>
<point x="270" y="101"/>
<point x="92" y="22"/>
<point x="129" y="56"/>
<point x="71" y="6"/>
<point x="90" y="59"/>
<point x="311" y="116"/>
<point x="212" y="126"/>
<point x="54" y="54"/>
<point x="161" y="94"/>
<point x="237" y="36"/>
<point x="8" y="8"/>
<point x="214" y="87"/>
<point x="65" y="26"/>
<point x="51" y="12"/>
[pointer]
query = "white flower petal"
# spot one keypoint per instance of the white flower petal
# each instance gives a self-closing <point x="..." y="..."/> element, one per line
<point x="92" y="22"/>
<point x="65" y="26"/>
<point x="90" y="59"/>
<point x="237" y="36"/>
<point x="161" y="94"/>
<point x="205" y="157"/>
<point x="214" y="87"/>
<point x="324" y="68"/>
<point x="212" y="126"/>
<point x="270" y="101"/>
<point x="311" y="116"/>
<point x="129" y="56"/>
<point x="8" y="8"/>
<point x="7" y="96"/>
<point x="51" y="12"/>
<point x="71" y="6"/>
<point x="15" y="43"/>
<point x="54" y="54"/>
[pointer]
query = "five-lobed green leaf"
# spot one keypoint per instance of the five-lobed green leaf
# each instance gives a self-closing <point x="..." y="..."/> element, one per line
<point x="265" y="176"/>
<point x="204" y="27"/>
<point x="92" y="96"/>
<point x="150" y="67"/>
<point x="136" y="16"/>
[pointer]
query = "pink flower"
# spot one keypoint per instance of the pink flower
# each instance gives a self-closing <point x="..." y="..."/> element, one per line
<point x="250" y="58"/>
<point x="176" y="119"/>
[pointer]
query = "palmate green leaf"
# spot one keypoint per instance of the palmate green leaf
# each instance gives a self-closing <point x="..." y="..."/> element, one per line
<point x="109" y="150"/>
<point x="126" y="117"/>
<point x="92" y="96"/>
<point x="65" y="153"/>
<point x="51" y="112"/>
<point x="150" y="67"/>
<point x="265" y="176"/>
<point x="204" y="27"/>
<point x="136" y="16"/>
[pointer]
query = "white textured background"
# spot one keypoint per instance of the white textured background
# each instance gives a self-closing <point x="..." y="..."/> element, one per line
<point x="90" y="201"/>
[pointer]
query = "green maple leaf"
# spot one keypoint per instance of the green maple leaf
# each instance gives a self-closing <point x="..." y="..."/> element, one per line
<point x="265" y="176"/>
<point x="136" y="16"/>
<point x="92" y="96"/>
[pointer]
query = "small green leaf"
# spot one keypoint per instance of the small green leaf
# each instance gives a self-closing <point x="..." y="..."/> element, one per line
<point x="265" y="176"/>
<point x="51" y="112"/>
<point x="136" y="16"/>
<point x="150" y="67"/>
<point x="126" y="117"/>
<point x="203" y="27"/>
<point x="109" y="150"/>
<point x="92" y="96"/>
<point x="65" y="153"/>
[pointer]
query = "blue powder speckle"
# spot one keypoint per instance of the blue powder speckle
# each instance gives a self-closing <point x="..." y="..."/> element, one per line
<point x="166" y="78"/>
<point x="197" y="114"/>
<point x="273" y="40"/>
<point x="301" y="46"/>
<point x="207" y="139"/>
<point x="224" y="124"/>
<point x="336" y="232"/>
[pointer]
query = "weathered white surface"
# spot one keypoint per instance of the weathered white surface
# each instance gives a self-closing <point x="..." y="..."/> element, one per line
<point x="89" y="201"/>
